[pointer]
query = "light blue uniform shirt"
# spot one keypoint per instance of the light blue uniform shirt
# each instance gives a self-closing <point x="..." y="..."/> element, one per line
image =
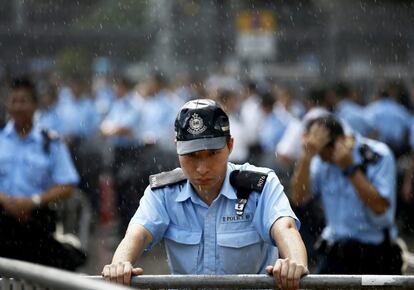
<point x="391" y="120"/>
<point x="125" y="112"/>
<point x="49" y="119"/>
<point x="353" y="114"/>
<point x="158" y="113"/>
<point x="202" y="239"/>
<point x="271" y="132"/>
<point x="26" y="169"/>
<point x="347" y="217"/>
<point x="79" y="116"/>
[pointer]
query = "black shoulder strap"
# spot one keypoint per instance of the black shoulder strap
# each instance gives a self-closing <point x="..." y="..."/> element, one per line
<point x="247" y="181"/>
<point x="369" y="156"/>
<point x="166" y="178"/>
<point x="48" y="137"/>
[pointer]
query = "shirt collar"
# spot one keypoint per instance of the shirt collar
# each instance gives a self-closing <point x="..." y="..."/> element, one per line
<point x="226" y="190"/>
<point x="34" y="135"/>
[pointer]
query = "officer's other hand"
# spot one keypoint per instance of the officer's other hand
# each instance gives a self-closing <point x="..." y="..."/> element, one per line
<point x="287" y="273"/>
<point x="120" y="273"/>
<point x="342" y="155"/>
<point x="315" y="139"/>
<point x="18" y="207"/>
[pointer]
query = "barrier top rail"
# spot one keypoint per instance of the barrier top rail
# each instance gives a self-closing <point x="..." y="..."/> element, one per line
<point x="51" y="278"/>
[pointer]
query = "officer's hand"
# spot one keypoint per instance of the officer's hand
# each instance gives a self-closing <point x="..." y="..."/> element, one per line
<point x="287" y="273"/>
<point x="120" y="273"/>
<point x="342" y="155"/>
<point x="18" y="207"/>
<point x="315" y="139"/>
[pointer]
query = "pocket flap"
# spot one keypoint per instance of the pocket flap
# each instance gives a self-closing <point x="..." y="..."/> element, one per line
<point x="238" y="239"/>
<point x="182" y="236"/>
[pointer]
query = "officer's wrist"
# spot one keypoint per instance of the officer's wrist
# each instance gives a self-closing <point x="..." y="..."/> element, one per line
<point x="36" y="200"/>
<point x="351" y="170"/>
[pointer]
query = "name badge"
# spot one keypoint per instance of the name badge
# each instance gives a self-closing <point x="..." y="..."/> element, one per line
<point x="236" y="218"/>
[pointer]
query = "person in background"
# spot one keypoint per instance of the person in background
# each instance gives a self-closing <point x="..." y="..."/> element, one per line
<point x="121" y="129"/>
<point x="288" y="150"/>
<point x="36" y="171"/>
<point x="273" y="126"/>
<point x="251" y="117"/>
<point x="356" y="178"/>
<point x="47" y="115"/>
<point x="391" y="119"/>
<point x="230" y="102"/>
<point x="349" y="111"/>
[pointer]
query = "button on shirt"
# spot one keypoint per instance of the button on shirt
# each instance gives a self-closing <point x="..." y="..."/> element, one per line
<point x="26" y="169"/>
<point x="202" y="239"/>
<point x="347" y="216"/>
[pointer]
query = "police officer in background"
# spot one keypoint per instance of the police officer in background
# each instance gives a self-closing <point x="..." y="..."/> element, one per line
<point x="356" y="178"/>
<point x="36" y="171"/>
<point x="216" y="217"/>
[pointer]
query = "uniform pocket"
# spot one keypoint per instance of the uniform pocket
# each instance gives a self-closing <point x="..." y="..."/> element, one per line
<point x="183" y="247"/>
<point x="240" y="252"/>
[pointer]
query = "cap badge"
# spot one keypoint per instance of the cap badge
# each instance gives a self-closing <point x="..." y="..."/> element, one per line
<point x="196" y="125"/>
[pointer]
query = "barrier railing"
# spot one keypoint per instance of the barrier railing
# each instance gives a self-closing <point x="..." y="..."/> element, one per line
<point x="17" y="275"/>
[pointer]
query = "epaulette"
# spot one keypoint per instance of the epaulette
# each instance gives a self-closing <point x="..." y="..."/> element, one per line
<point x="166" y="178"/>
<point x="246" y="181"/>
<point x="48" y="137"/>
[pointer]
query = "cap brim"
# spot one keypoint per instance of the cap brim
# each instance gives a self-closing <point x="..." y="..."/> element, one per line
<point x="186" y="147"/>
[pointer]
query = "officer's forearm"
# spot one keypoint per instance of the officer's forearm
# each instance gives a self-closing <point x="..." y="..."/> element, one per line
<point x="56" y="193"/>
<point x="300" y="184"/>
<point x="368" y="193"/>
<point x="132" y="245"/>
<point x="289" y="241"/>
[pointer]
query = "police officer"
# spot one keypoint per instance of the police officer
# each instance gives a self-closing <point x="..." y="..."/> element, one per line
<point x="36" y="171"/>
<point x="216" y="217"/>
<point x="121" y="128"/>
<point x="356" y="179"/>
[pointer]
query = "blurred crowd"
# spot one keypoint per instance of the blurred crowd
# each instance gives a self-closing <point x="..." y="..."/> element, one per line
<point x="119" y="131"/>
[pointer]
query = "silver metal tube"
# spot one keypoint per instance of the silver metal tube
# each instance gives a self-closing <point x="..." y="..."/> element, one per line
<point x="265" y="281"/>
<point x="50" y="278"/>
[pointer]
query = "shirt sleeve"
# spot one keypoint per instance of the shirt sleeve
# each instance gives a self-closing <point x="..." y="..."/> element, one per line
<point x="63" y="171"/>
<point x="272" y="205"/>
<point x="314" y="175"/>
<point x="383" y="177"/>
<point x="152" y="215"/>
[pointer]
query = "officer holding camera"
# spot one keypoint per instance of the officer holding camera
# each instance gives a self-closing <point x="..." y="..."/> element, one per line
<point x="356" y="178"/>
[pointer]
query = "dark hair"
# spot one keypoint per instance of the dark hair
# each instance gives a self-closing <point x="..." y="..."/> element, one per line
<point x="123" y="81"/>
<point x="332" y="124"/>
<point x="24" y="83"/>
<point x="317" y="96"/>
<point x="268" y="100"/>
<point x="342" y="90"/>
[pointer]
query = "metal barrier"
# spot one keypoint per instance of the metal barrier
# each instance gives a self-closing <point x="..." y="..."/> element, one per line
<point x="17" y="275"/>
